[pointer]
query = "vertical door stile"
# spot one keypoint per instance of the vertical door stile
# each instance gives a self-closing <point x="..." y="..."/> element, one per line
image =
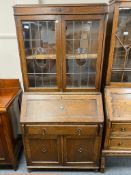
<point x="19" y="31"/>
<point x="62" y="150"/>
<point x="100" y="55"/>
<point x="58" y="51"/>
<point x="63" y="49"/>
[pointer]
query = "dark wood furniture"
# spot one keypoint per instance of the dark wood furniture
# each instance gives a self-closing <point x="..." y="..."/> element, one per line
<point x="10" y="140"/>
<point x="61" y="46"/>
<point x="62" y="130"/>
<point x="117" y="124"/>
<point x="117" y="69"/>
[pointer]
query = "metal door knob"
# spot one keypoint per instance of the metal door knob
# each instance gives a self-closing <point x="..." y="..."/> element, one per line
<point x="80" y="150"/>
<point x="120" y="143"/>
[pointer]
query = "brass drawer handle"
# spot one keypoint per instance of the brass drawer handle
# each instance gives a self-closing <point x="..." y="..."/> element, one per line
<point x="80" y="150"/>
<point x="43" y="131"/>
<point x="44" y="150"/>
<point x="79" y="131"/>
<point x="123" y="129"/>
<point x="120" y="143"/>
<point x="59" y="9"/>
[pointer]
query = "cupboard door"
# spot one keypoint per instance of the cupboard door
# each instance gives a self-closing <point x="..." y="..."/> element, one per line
<point x="3" y="146"/>
<point x="44" y="151"/>
<point x="121" y="63"/>
<point x="81" y="150"/>
<point x="82" y="51"/>
<point x="39" y="43"/>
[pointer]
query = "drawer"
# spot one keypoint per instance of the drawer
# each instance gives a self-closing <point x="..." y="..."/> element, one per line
<point x="62" y="130"/>
<point x="121" y="129"/>
<point x="120" y="143"/>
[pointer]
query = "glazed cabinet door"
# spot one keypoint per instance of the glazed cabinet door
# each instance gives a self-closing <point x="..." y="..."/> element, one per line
<point x="119" y="69"/>
<point x="39" y="43"/>
<point x="82" y="37"/>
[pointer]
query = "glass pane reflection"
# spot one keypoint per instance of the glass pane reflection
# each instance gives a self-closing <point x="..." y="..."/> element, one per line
<point x="81" y="53"/>
<point x="40" y="51"/>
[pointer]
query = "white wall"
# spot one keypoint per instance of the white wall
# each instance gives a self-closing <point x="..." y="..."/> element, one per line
<point x="72" y="1"/>
<point x="9" y="57"/>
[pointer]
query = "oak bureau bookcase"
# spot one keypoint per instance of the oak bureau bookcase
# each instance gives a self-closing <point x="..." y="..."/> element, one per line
<point x="61" y="51"/>
<point x="117" y="94"/>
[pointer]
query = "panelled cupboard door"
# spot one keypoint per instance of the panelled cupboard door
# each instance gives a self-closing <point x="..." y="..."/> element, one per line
<point x="81" y="150"/>
<point x="44" y="151"/>
<point x="38" y="38"/>
<point x="2" y="157"/>
<point x="3" y="147"/>
<point x="82" y="43"/>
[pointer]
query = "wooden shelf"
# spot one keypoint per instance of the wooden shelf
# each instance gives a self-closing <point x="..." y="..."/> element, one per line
<point x="121" y="70"/>
<point x="68" y="56"/>
<point x="81" y="56"/>
<point x="42" y="57"/>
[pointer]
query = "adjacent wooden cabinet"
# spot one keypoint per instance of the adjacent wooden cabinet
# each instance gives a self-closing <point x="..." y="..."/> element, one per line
<point x="118" y="123"/>
<point x="62" y="130"/>
<point x="3" y="147"/>
<point x="61" y="46"/>
<point x="117" y="77"/>
<point x="10" y="139"/>
<point x="118" y="45"/>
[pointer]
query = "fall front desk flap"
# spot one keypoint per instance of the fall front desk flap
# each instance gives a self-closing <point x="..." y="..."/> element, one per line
<point x="38" y="107"/>
<point x="118" y="104"/>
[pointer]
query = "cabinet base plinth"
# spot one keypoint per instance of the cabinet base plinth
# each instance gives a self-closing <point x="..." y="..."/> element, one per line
<point x="31" y="168"/>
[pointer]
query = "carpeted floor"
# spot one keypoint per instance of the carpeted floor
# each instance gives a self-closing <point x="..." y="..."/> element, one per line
<point x="114" y="166"/>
